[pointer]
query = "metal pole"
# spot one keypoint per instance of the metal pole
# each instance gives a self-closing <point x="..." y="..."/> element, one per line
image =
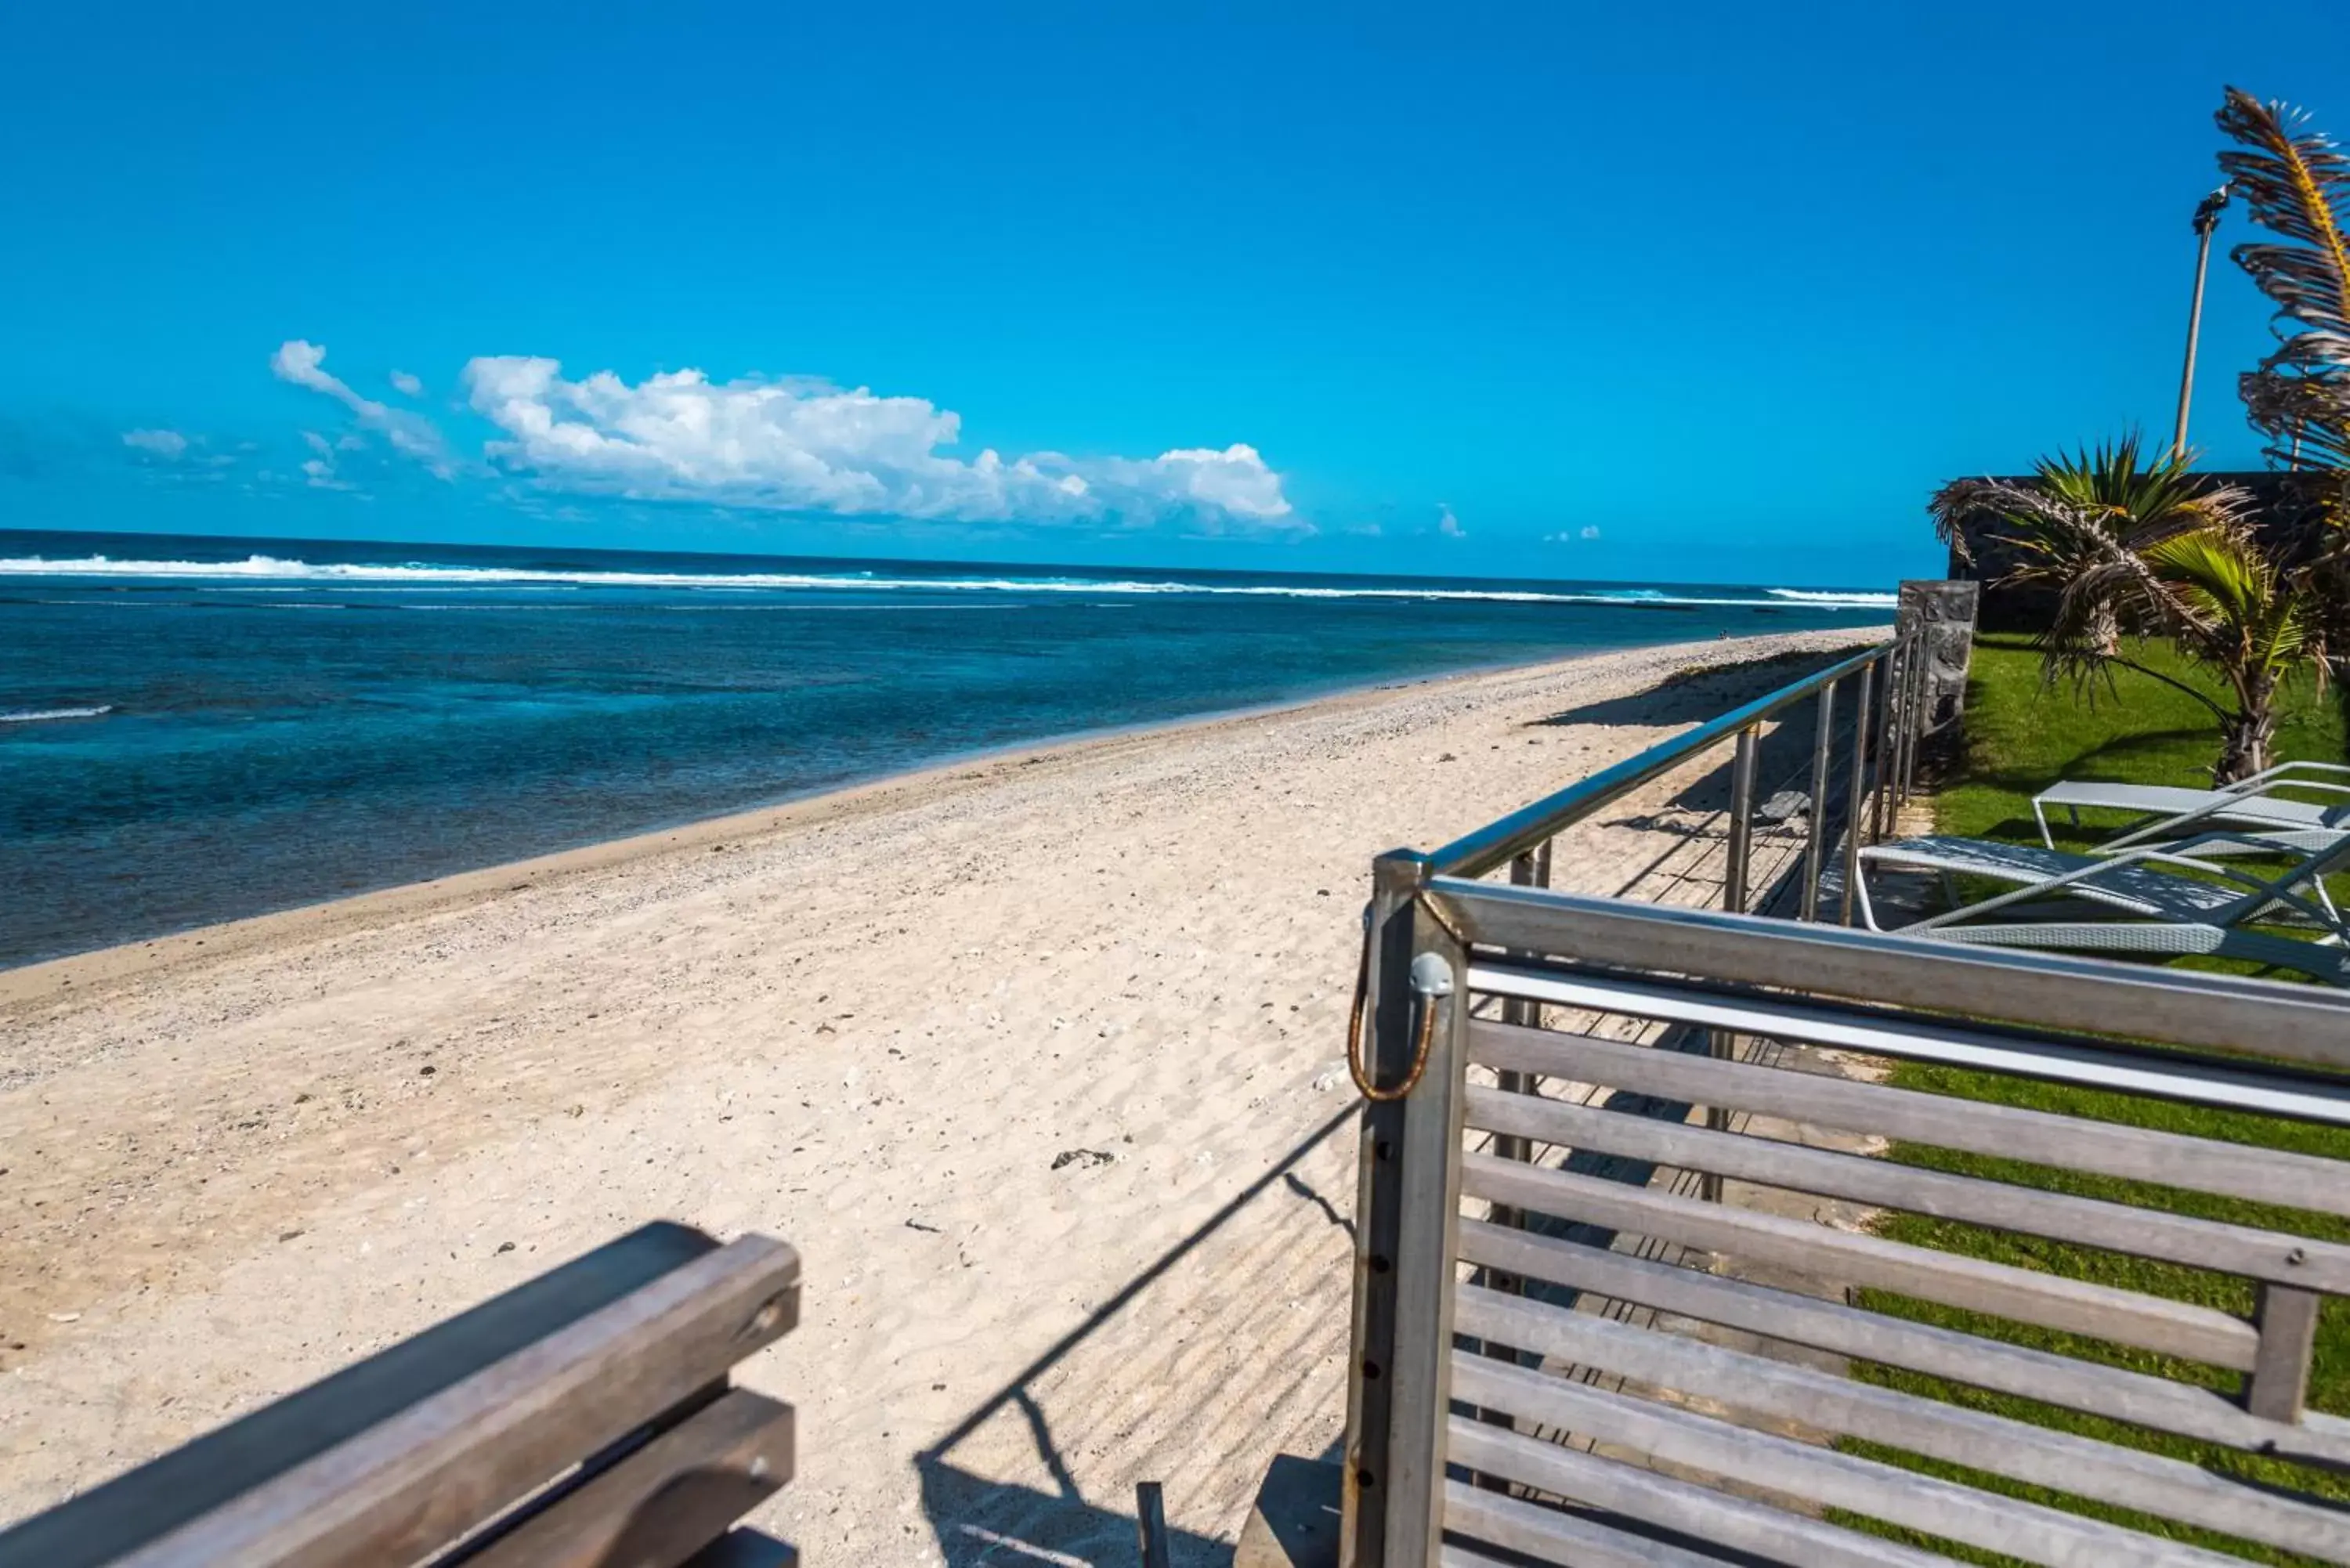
<point x="1897" y="781"/>
<point x="1741" y="825"/>
<point x="1733" y="899"/>
<point x="2207" y="218"/>
<point x="1822" y="734"/>
<point x="1913" y="717"/>
<point x="1854" y="822"/>
<point x="1877" y="773"/>
<point x="1150" y="1524"/>
<point x="1527" y="870"/>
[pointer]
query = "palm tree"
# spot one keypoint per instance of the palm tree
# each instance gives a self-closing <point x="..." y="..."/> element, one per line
<point x="2229" y="606"/>
<point x="2138" y="549"/>
<point x="2296" y="184"/>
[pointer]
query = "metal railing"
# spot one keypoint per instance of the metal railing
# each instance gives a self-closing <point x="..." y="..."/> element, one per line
<point x="1563" y="1273"/>
<point x="1857" y="780"/>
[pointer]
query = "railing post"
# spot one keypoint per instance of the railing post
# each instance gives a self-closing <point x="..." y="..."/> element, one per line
<point x="1823" y="734"/>
<point x="2287" y="1320"/>
<point x="1741" y="825"/>
<point x="1398" y="1384"/>
<point x="1530" y="869"/>
<point x="1880" y="754"/>
<point x="1913" y="690"/>
<point x="1733" y="899"/>
<point x="1855" y="797"/>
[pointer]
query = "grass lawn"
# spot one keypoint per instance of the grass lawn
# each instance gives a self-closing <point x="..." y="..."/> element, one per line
<point x="2021" y="737"/>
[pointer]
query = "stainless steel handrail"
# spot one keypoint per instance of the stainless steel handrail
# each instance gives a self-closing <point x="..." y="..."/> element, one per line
<point x="1484" y="849"/>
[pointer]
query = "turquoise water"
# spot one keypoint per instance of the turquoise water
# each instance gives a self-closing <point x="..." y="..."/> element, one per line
<point x="198" y="730"/>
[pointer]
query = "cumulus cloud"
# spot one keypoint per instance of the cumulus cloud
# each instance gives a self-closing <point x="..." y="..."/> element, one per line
<point x="405" y="384"/>
<point x="169" y="445"/>
<point x="304" y="364"/>
<point x="1590" y="531"/>
<point x="807" y="445"/>
<point x="1448" y="524"/>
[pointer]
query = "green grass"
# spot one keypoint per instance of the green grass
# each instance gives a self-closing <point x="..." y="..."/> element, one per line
<point x="2022" y="735"/>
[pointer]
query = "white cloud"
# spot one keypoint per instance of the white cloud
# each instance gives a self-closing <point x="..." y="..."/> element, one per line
<point x="406" y="384"/>
<point x="304" y="364"/>
<point x="1448" y="524"/>
<point x="806" y="446"/>
<point x="1590" y="531"/>
<point x="318" y="472"/>
<point x="169" y="445"/>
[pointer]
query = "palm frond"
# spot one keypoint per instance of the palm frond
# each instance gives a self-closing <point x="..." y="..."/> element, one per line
<point x="2297" y="185"/>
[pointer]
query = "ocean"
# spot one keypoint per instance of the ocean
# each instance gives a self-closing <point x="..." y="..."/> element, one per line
<point x="194" y="730"/>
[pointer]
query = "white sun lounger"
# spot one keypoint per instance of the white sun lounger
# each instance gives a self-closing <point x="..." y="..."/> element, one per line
<point x="2251" y="803"/>
<point x="2174" y="914"/>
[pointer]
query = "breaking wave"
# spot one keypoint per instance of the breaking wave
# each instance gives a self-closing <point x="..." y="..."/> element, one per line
<point x="274" y="569"/>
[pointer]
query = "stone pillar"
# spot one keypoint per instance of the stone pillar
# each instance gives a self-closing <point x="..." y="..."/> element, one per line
<point x="1943" y="611"/>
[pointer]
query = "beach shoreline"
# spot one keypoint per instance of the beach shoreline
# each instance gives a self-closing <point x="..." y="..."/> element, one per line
<point x="32" y="982"/>
<point x="1037" y="1060"/>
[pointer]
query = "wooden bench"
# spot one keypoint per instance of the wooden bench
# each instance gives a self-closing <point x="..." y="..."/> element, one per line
<point x="583" y="1419"/>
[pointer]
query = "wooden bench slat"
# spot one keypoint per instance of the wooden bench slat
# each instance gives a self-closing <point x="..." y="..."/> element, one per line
<point x="2113" y="1392"/>
<point x="2151" y="1323"/>
<point x="2088" y="1222"/>
<point x="1698" y="1513"/>
<point x="112" y="1519"/>
<point x="2106" y="1472"/>
<point x="664" y="1502"/>
<point x="2012" y="1132"/>
<point x="1921" y="1502"/>
<point x="428" y="1474"/>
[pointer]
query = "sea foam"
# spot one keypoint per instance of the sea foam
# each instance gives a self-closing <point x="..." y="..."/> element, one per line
<point x="423" y="575"/>
<point x="40" y="715"/>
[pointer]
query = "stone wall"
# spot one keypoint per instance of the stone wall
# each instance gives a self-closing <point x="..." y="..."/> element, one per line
<point x="1943" y="612"/>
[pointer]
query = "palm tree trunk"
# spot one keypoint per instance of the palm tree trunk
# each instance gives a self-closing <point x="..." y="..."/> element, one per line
<point x="2246" y="734"/>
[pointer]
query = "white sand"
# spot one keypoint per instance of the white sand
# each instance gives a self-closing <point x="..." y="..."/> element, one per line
<point x="867" y="1024"/>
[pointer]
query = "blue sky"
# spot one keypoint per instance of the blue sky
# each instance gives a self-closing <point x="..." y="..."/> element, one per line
<point x="1705" y="292"/>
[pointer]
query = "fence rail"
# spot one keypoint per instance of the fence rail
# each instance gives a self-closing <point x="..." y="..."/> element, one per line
<point x="1592" y="1324"/>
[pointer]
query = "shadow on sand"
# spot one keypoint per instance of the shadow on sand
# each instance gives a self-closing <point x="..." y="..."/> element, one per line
<point x="979" y="1522"/>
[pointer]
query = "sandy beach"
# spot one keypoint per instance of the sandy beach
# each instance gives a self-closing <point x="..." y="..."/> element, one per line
<point x="1037" y="1060"/>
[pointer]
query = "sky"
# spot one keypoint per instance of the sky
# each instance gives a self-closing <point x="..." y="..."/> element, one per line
<point x="1713" y="292"/>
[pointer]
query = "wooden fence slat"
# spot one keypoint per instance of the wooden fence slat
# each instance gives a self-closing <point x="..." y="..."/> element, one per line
<point x="2151" y="1323"/>
<point x="1921" y="1502"/>
<point x="1978" y="1127"/>
<point x="2084" y="1221"/>
<point x="2231" y="1083"/>
<point x="427" y="1475"/>
<point x="1733" y="1523"/>
<point x="2183" y="1408"/>
<point x="2084" y="1467"/>
<point x="665" y="1502"/>
<point x="1549" y="1535"/>
<point x="2038" y="991"/>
